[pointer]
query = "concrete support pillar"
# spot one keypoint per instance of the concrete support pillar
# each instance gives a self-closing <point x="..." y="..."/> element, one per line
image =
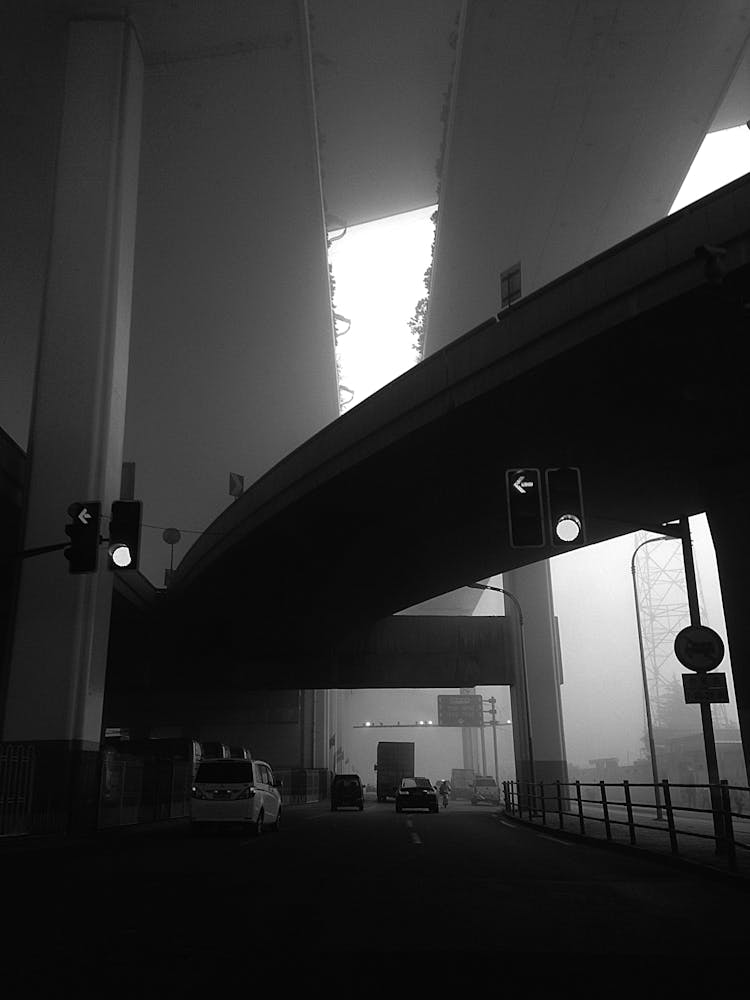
<point x="532" y="586"/>
<point x="56" y="681"/>
<point x="727" y="515"/>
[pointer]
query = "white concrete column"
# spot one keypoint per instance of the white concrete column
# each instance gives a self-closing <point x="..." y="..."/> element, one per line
<point x="56" y="683"/>
<point x="532" y="586"/>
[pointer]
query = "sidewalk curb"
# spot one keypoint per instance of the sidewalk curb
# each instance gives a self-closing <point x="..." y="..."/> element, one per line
<point x="741" y="882"/>
<point x="23" y="842"/>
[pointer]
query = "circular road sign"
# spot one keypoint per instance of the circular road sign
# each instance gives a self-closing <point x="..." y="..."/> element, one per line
<point x="699" y="648"/>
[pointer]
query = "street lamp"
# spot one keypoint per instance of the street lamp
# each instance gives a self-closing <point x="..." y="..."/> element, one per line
<point x="527" y="710"/>
<point x="649" y="723"/>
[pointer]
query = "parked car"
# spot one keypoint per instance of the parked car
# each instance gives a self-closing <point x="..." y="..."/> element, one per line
<point x="416" y="793"/>
<point x="485" y="790"/>
<point x="346" y="790"/>
<point x="236" y="791"/>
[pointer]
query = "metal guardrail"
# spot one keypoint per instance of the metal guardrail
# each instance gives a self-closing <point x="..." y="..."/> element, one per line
<point x="552" y="803"/>
<point x="16" y="787"/>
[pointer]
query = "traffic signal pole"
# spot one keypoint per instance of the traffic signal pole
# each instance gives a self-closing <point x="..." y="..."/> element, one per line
<point x="682" y="531"/>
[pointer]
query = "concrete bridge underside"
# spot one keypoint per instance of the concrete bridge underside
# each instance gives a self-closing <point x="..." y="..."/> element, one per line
<point x="174" y="175"/>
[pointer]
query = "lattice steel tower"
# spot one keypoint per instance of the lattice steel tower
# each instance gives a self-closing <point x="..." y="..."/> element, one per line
<point x="663" y="603"/>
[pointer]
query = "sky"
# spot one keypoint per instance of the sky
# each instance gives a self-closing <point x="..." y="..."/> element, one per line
<point x="378" y="268"/>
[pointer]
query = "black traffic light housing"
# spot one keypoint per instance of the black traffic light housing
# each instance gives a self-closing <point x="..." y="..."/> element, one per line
<point x="523" y="488"/>
<point x="124" y="535"/>
<point x="83" y="552"/>
<point x="565" y="500"/>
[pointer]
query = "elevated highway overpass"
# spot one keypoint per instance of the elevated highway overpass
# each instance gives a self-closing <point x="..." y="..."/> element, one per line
<point x="629" y="366"/>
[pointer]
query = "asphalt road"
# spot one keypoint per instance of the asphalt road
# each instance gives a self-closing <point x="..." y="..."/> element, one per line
<point x="361" y="890"/>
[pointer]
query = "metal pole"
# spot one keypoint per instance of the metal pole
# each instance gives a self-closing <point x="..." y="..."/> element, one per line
<point x="649" y="723"/>
<point x="709" y="742"/>
<point x="494" y="739"/>
<point x="484" y="749"/>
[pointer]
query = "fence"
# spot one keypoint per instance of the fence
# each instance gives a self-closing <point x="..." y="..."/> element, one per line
<point x="139" y="782"/>
<point x="16" y="786"/>
<point x="554" y="804"/>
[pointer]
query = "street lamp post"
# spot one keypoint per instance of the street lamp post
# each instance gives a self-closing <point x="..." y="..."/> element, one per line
<point x="527" y="709"/>
<point x="649" y="723"/>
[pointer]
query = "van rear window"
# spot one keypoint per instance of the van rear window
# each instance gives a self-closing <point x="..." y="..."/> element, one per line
<point x="225" y="772"/>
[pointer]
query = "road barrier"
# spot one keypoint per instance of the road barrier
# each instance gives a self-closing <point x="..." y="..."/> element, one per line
<point x="139" y="781"/>
<point x="554" y="804"/>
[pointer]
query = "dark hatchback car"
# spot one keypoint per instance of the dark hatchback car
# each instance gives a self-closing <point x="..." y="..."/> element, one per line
<point x="346" y="790"/>
<point x="416" y="793"/>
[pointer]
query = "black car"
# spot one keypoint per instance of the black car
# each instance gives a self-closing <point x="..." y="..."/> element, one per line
<point x="416" y="793"/>
<point x="346" y="790"/>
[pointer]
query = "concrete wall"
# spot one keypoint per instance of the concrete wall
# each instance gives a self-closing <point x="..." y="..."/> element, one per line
<point x="572" y="126"/>
<point x="232" y="362"/>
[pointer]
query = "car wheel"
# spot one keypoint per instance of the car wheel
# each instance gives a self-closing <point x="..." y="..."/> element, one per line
<point x="258" y="825"/>
<point x="433" y="809"/>
<point x="398" y="808"/>
<point x="276" y="825"/>
<point x="361" y="807"/>
<point x="333" y="808"/>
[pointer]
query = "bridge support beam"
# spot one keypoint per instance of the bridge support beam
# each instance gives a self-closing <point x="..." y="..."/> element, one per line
<point x="55" y="686"/>
<point x="532" y="586"/>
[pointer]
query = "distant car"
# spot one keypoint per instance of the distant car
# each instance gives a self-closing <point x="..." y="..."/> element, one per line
<point x="346" y="790"/>
<point x="485" y="790"/>
<point x="416" y="793"/>
<point x="236" y="791"/>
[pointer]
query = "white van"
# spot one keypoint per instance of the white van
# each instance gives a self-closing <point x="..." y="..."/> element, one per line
<point x="228" y="790"/>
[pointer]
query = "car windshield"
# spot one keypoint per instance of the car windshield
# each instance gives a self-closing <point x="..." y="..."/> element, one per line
<point x="485" y="782"/>
<point x="225" y="772"/>
<point x="408" y="783"/>
<point x="348" y="783"/>
<point x="422" y="783"/>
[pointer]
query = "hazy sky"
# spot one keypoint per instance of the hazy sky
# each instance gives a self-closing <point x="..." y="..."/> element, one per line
<point x="378" y="270"/>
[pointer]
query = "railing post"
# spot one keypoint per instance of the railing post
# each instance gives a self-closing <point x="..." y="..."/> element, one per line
<point x="629" y="807"/>
<point x="580" y="807"/>
<point x="726" y="803"/>
<point x="670" y="816"/>
<point x="605" y="810"/>
<point x="541" y="795"/>
<point x="559" y="805"/>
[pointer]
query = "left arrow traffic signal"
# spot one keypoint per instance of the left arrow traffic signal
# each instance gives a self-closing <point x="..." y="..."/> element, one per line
<point x="83" y="531"/>
<point x="525" y="517"/>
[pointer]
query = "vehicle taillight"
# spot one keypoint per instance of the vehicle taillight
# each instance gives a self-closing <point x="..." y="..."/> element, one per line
<point x="246" y="793"/>
<point x="197" y="793"/>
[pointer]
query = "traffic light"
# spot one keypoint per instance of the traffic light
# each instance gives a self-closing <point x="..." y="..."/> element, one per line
<point x="83" y="551"/>
<point x="525" y="515"/>
<point x="124" y="535"/>
<point x="567" y="524"/>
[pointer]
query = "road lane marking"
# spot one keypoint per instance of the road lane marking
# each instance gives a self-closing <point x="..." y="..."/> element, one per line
<point x="555" y="840"/>
<point x="415" y="839"/>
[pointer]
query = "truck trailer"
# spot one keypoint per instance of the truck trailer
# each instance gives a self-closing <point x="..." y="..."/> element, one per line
<point x="395" y="761"/>
<point x="462" y="783"/>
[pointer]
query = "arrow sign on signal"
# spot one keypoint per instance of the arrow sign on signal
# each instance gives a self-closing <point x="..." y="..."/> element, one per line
<point x="522" y="484"/>
<point x="84" y="516"/>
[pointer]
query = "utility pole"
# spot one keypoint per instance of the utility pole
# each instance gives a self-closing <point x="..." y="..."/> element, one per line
<point x="493" y="712"/>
